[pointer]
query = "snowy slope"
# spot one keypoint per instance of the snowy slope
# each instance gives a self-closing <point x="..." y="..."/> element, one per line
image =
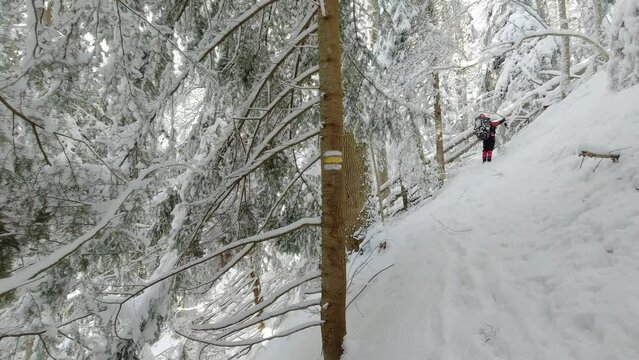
<point x="535" y="256"/>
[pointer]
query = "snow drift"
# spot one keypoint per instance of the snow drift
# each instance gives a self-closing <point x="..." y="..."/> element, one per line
<point x="534" y="256"/>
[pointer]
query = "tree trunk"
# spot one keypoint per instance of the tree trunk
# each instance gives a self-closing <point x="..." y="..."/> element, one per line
<point x="404" y="194"/>
<point x="599" y="13"/>
<point x="417" y="137"/>
<point x="257" y="295"/>
<point x="382" y="169"/>
<point x="256" y="284"/>
<point x="356" y="189"/>
<point x="439" y="130"/>
<point x="381" y="176"/>
<point x="376" y="19"/>
<point x="565" y="48"/>
<point x="333" y="309"/>
<point x="541" y="9"/>
<point x="435" y="9"/>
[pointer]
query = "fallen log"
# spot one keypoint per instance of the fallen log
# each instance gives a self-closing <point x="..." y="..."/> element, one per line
<point x="613" y="157"/>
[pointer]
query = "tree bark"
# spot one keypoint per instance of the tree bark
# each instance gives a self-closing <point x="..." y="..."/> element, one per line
<point x="375" y="13"/>
<point x="356" y="189"/>
<point x="381" y="177"/>
<point x="439" y="130"/>
<point x="417" y="137"/>
<point x="333" y="309"/>
<point x="257" y="297"/>
<point x="541" y="9"/>
<point x="436" y="10"/>
<point x="382" y="169"/>
<point x="565" y="48"/>
<point x="599" y="14"/>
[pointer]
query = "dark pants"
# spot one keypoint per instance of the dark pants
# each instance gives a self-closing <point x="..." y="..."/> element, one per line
<point x="487" y="153"/>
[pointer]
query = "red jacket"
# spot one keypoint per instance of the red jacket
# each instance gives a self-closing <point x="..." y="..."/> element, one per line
<point x="493" y="127"/>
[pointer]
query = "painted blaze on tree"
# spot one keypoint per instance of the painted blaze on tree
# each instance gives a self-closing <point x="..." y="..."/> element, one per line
<point x="332" y="147"/>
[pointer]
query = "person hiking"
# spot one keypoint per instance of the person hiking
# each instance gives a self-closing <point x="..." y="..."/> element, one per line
<point x="487" y="134"/>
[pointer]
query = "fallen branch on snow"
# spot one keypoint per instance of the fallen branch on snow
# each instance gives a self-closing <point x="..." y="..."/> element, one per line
<point x="613" y="157"/>
<point x="366" y="285"/>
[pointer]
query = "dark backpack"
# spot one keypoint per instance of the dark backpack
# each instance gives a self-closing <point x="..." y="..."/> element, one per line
<point x="482" y="128"/>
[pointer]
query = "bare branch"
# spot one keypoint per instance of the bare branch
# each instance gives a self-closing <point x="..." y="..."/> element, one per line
<point x="35" y="332"/>
<point x="413" y="107"/>
<point x="236" y="258"/>
<point x="236" y="23"/>
<point x="19" y="114"/>
<point x="286" y="189"/>
<point x="283" y="123"/>
<point x="230" y="321"/>
<point x="143" y="18"/>
<point x="251" y="341"/>
<point x="35" y="132"/>
<point x="34" y="124"/>
<point x="269" y="315"/>
<point x="46" y="348"/>
<point x="369" y="281"/>
<point x="302" y="223"/>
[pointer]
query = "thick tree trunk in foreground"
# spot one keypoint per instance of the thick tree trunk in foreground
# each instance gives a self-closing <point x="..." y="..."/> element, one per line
<point x="332" y="145"/>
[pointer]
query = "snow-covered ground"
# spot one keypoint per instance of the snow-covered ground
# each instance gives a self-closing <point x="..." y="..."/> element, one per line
<point x="534" y="256"/>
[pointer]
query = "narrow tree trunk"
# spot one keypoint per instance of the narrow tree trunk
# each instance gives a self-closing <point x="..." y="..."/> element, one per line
<point x="257" y="295"/>
<point x="599" y="13"/>
<point x="256" y="284"/>
<point x="356" y="189"/>
<point x="376" y="19"/>
<point x="28" y="347"/>
<point x="565" y="48"/>
<point x="378" y="180"/>
<point x="404" y="194"/>
<point x="436" y="10"/>
<point x="541" y="9"/>
<point x="333" y="310"/>
<point x="382" y="169"/>
<point x="439" y="130"/>
<point x="417" y="137"/>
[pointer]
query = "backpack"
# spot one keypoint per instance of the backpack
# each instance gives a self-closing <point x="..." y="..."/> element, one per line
<point x="482" y="128"/>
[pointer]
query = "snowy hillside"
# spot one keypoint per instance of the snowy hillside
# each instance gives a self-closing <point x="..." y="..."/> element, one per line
<point x="535" y="256"/>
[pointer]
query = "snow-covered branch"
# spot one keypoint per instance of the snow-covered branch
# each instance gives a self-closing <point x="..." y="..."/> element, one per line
<point x="272" y="234"/>
<point x="410" y="106"/>
<point x="236" y="258"/>
<point x="235" y="24"/>
<point x="268" y="315"/>
<point x="544" y="88"/>
<point x="275" y="65"/>
<point x="34" y="332"/>
<point x="249" y="342"/>
<point x="108" y="209"/>
<point x="234" y="177"/>
<point x="285" y="191"/>
<point x="283" y="123"/>
<point x="239" y="317"/>
<point x="562" y="33"/>
<point x="279" y="97"/>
